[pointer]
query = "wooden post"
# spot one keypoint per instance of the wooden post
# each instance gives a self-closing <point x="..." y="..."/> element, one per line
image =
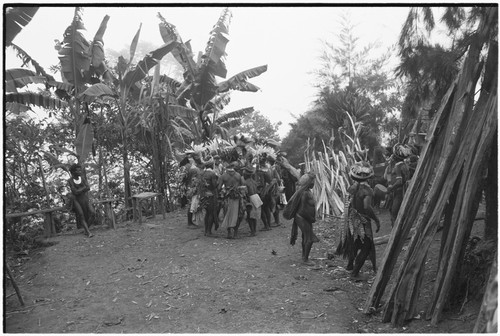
<point x="49" y="227"/>
<point x="153" y="201"/>
<point x="162" y="206"/>
<point x="14" y="284"/>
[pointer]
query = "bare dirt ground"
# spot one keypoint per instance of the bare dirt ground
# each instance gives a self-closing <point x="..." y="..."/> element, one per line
<point x="161" y="277"/>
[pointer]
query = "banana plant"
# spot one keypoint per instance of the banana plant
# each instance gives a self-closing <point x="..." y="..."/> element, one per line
<point x="16" y="18"/>
<point x="200" y="89"/>
<point x="125" y="92"/>
<point x="82" y="64"/>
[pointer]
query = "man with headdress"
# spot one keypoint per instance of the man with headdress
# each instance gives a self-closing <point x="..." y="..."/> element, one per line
<point x="79" y="197"/>
<point x="208" y="196"/>
<point x="356" y="239"/>
<point x="399" y="175"/>
<point x="253" y="201"/>
<point x="231" y="181"/>
<point x="194" y="167"/>
<point x="264" y="179"/>
<point x="273" y="192"/>
<point x="302" y="208"/>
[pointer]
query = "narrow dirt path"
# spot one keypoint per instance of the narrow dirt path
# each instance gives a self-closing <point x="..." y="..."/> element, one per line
<point x="162" y="277"/>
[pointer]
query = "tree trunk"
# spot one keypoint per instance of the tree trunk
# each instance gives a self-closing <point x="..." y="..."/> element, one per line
<point x="491" y="195"/>
<point x="126" y="172"/>
<point x="489" y="306"/>
<point x="457" y="140"/>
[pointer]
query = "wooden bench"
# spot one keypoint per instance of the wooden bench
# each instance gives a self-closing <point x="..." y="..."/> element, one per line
<point x="48" y="224"/>
<point x="138" y="198"/>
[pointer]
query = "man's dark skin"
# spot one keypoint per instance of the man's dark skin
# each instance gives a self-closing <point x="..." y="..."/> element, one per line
<point x="362" y="202"/>
<point x="208" y="193"/>
<point x="304" y="219"/>
<point x="81" y="202"/>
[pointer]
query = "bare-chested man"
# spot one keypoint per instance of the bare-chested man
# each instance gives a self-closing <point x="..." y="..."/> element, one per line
<point x="302" y="208"/>
<point x="231" y="181"/>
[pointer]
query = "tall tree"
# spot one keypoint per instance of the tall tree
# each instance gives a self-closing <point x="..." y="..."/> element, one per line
<point x="349" y="82"/>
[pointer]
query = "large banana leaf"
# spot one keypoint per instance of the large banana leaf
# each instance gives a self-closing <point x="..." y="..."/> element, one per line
<point x="83" y="142"/>
<point x="26" y="58"/>
<point x="182" y="111"/>
<point x="146" y="64"/>
<point x="216" y="46"/>
<point x="182" y="53"/>
<point x="205" y="87"/>
<point x="239" y="81"/>
<point x="29" y="98"/>
<point x="238" y="114"/>
<point x="97" y="62"/>
<point x="98" y="90"/>
<point x="16" y="18"/>
<point x="211" y="63"/>
<point x="230" y="124"/>
<point x="17" y="78"/>
<point x="75" y="53"/>
<point x="133" y="45"/>
<point x="173" y="84"/>
<point x="16" y="108"/>
<point x="69" y="88"/>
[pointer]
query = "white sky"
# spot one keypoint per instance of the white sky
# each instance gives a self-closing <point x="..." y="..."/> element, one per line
<point x="287" y="39"/>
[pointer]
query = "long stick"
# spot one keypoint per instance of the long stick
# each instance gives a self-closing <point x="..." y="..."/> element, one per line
<point x="18" y="292"/>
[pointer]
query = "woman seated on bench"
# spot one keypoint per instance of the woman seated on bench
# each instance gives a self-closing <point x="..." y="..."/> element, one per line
<point x="79" y="196"/>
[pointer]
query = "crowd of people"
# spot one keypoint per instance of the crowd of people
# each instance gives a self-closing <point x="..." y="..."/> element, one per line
<point x="243" y="183"/>
<point x="252" y="183"/>
<point x="249" y="187"/>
